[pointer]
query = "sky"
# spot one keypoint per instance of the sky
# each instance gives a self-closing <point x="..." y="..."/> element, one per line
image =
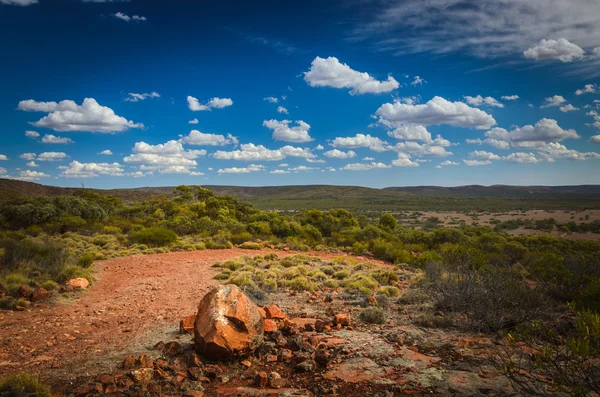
<point x="116" y="93"/>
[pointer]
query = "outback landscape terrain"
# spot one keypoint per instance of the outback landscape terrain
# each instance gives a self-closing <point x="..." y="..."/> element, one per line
<point x="101" y="294"/>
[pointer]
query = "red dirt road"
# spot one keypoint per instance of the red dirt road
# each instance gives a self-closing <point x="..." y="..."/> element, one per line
<point x="136" y="302"/>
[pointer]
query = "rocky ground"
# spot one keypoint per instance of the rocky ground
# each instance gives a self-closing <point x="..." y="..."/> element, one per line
<point x="122" y="337"/>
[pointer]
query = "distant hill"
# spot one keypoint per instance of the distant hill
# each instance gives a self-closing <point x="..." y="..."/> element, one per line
<point x="356" y="198"/>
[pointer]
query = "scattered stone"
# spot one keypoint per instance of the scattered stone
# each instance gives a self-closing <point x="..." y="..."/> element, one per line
<point x="171" y="349"/>
<point x="78" y="283"/>
<point x="40" y="294"/>
<point x="186" y="325"/>
<point x="270" y="326"/>
<point x="322" y="357"/>
<point x="246" y="363"/>
<point x="24" y="291"/>
<point x="276" y="381"/>
<point x="194" y="393"/>
<point x="193" y="359"/>
<point x="304" y="366"/>
<point x="274" y="312"/>
<point x="271" y="358"/>
<point x="285" y="355"/>
<point x="261" y="379"/>
<point x="129" y="362"/>
<point x="142" y="376"/>
<point x="262" y="312"/>
<point x="145" y="361"/>
<point x="320" y="325"/>
<point x="342" y="319"/>
<point x="228" y="324"/>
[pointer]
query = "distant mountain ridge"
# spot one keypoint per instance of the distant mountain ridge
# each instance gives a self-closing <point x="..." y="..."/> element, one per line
<point x="295" y="197"/>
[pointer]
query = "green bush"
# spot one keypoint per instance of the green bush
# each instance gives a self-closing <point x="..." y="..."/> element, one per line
<point x="154" y="237"/>
<point x="86" y="260"/>
<point x="23" y="385"/>
<point x="372" y="315"/>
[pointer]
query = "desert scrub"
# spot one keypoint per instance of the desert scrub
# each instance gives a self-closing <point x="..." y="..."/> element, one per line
<point x="384" y="276"/>
<point x="300" y="284"/>
<point x="224" y="275"/>
<point x="250" y="246"/>
<point x="372" y="315"/>
<point x="243" y="280"/>
<point x="86" y="260"/>
<point x="23" y="385"/>
<point x="154" y="237"/>
<point x="341" y="274"/>
<point x="390" y="291"/>
<point x="70" y="272"/>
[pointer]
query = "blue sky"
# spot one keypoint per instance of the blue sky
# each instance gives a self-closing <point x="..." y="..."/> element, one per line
<point x="372" y="93"/>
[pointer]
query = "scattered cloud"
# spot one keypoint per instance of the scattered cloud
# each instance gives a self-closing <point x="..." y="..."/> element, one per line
<point x="198" y="138"/>
<point x="319" y="147"/>
<point x="167" y="158"/>
<point x="245" y="170"/>
<point x="477" y="141"/>
<point x="106" y="152"/>
<point x="282" y="109"/>
<point x="545" y="130"/>
<point x="32" y="164"/>
<point x="361" y="140"/>
<point x="330" y="72"/>
<point x="404" y="160"/>
<point x="3" y="171"/>
<point x="411" y="132"/>
<point x="279" y="172"/>
<point x="555" y="151"/>
<point x="556" y="100"/>
<point x="3" y="157"/>
<point x="133" y="97"/>
<point x="417" y="81"/>
<point x="363" y="166"/>
<point x="213" y="103"/>
<point x="271" y="99"/>
<point x="588" y="89"/>
<point x="338" y="154"/>
<point x="29" y="175"/>
<point x="68" y="116"/>
<point x="24" y="156"/>
<point x="479" y="100"/>
<point x="437" y="111"/>
<point x="435" y="148"/>
<point x="283" y="132"/>
<point x="510" y="97"/>
<point x="127" y="18"/>
<point x="52" y="139"/>
<point x="22" y="3"/>
<point x="32" y="134"/>
<point x="446" y="163"/>
<point x="561" y="49"/>
<point x="302" y="168"/>
<point x="252" y="152"/>
<point x="522" y="158"/>
<point x="568" y="108"/>
<point x="595" y="139"/>
<point x="193" y="121"/>
<point x="75" y="169"/>
<point x="51" y="156"/>
<point x="369" y="159"/>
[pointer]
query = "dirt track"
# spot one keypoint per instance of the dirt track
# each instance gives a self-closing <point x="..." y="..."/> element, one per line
<point x="136" y="302"/>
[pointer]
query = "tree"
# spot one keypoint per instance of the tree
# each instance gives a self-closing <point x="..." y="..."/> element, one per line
<point x="388" y="221"/>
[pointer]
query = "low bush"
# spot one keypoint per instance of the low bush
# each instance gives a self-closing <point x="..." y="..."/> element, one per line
<point x="23" y="385"/>
<point x="154" y="237"/>
<point x="372" y="315"/>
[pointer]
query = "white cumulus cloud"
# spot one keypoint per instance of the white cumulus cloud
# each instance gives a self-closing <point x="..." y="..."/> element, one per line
<point x="52" y="139"/>
<point x="213" y="103"/>
<point x="283" y="110"/>
<point x="32" y="134"/>
<point x="437" y="111"/>
<point x="198" y="138"/>
<point x="588" y="89"/>
<point x="127" y="18"/>
<point x="51" y="156"/>
<point x="106" y="152"/>
<point x="361" y="140"/>
<point x="411" y="132"/>
<point x="510" y="97"/>
<point x="330" y="72"/>
<point x="338" y="154"/>
<point x="75" y="169"/>
<point x="556" y="100"/>
<point x="244" y="170"/>
<point x="479" y="100"/>
<point x="167" y="158"/>
<point x="252" y="152"/>
<point x="68" y="116"/>
<point x="133" y="97"/>
<point x="561" y="49"/>
<point x="283" y="132"/>
<point x="364" y="166"/>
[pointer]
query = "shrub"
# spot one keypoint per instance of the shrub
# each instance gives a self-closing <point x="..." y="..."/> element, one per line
<point x="372" y="315"/>
<point x="70" y="272"/>
<point x="154" y="237"/>
<point x="250" y="246"/>
<point x="86" y="260"/>
<point x="240" y="238"/>
<point x="342" y="274"/>
<point x="390" y="291"/>
<point x="49" y="285"/>
<point x="23" y="385"/>
<point x="243" y="280"/>
<point x="300" y="284"/>
<point x="222" y="276"/>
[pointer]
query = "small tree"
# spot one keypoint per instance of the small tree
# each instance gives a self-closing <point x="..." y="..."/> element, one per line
<point x="388" y="221"/>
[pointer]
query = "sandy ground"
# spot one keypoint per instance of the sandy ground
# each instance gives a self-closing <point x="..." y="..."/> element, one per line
<point x="136" y="302"/>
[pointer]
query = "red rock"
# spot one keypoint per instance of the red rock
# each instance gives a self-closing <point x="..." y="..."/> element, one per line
<point x="261" y="379"/>
<point x="145" y="362"/>
<point x="276" y="381"/>
<point x="285" y="355"/>
<point x="327" y="328"/>
<point x="186" y="325"/>
<point x="24" y="291"/>
<point x="228" y="324"/>
<point x="194" y="393"/>
<point x="274" y="312"/>
<point x="271" y="358"/>
<point x="39" y="294"/>
<point x="246" y="363"/>
<point x="142" y="376"/>
<point x="193" y="359"/>
<point x="171" y="349"/>
<point x="262" y="312"/>
<point x="270" y="325"/>
<point x="343" y="319"/>
<point x="80" y="283"/>
<point x="304" y="323"/>
<point x="161" y="374"/>
<point x="320" y="325"/>
<point x="129" y="362"/>
<point x="322" y="357"/>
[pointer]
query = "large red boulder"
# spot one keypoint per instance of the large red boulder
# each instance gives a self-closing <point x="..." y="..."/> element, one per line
<point x="228" y="324"/>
